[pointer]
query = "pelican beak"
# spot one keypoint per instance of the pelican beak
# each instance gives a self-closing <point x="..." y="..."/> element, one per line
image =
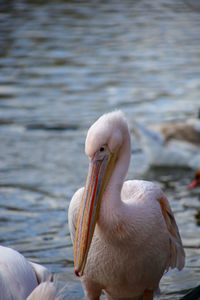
<point x="193" y="184"/>
<point x="99" y="174"/>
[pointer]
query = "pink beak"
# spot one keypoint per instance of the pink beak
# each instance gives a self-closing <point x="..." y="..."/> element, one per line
<point x="193" y="184"/>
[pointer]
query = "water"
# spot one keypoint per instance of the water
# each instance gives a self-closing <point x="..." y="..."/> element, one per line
<point x="64" y="63"/>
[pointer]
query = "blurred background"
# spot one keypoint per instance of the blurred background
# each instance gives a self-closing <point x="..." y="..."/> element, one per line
<point x="62" y="65"/>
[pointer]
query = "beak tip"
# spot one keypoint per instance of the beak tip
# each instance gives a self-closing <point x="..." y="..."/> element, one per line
<point x="77" y="273"/>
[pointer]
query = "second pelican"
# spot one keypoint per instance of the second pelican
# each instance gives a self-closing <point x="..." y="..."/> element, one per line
<point x="124" y="233"/>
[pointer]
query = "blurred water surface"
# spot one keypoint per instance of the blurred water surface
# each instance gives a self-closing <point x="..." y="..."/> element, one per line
<point x="64" y="63"/>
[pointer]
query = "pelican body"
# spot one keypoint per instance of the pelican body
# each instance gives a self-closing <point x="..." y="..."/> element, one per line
<point x="21" y="279"/>
<point x="173" y="144"/>
<point x="124" y="233"/>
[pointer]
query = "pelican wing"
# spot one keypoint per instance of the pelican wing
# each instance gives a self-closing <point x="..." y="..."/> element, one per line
<point x="44" y="291"/>
<point x="177" y="254"/>
<point x="42" y="273"/>
<point x="188" y="132"/>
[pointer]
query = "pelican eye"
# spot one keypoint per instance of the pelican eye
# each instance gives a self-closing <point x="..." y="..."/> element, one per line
<point x="101" y="153"/>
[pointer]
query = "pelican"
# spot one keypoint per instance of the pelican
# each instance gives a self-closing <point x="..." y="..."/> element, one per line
<point x="20" y="278"/>
<point x="124" y="233"/>
<point x="196" y="181"/>
<point x="173" y="144"/>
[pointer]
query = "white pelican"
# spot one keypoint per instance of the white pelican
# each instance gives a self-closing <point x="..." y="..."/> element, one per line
<point x="196" y="181"/>
<point x="19" y="278"/>
<point x="124" y="233"/>
<point x="173" y="144"/>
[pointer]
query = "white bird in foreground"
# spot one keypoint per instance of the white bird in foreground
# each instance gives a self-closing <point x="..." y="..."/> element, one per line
<point x="173" y="144"/>
<point x="21" y="279"/>
<point x="124" y="233"/>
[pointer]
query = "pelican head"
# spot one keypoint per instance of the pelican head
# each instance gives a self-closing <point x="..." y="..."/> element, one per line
<point x="103" y="143"/>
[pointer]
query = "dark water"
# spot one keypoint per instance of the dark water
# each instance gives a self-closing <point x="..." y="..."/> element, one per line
<point x="64" y="63"/>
